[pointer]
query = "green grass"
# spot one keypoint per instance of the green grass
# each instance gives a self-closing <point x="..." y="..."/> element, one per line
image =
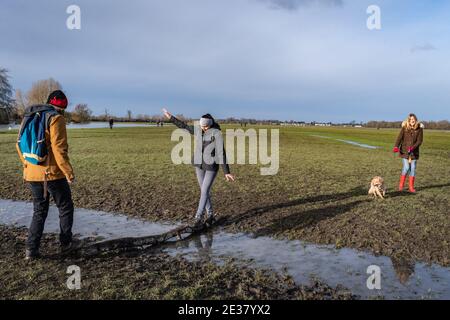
<point x="318" y="195"/>
<point x="141" y="276"/>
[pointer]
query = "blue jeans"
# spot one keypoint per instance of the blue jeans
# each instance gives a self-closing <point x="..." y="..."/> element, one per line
<point x="407" y="167"/>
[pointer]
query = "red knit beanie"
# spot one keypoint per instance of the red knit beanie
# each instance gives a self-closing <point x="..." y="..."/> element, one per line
<point x="58" y="99"/>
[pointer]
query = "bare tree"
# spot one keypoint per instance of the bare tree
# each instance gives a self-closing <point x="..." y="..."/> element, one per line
<point x="20" y="103"/>
<point x="38" y="94"/>
<point x="156" y="118"/>
<point x="81" y="113"/>
<point x="40" y="91"/>
<point x="6" y="99"/>
<point x="142" y="117"/>
<point x="68" y="116"/>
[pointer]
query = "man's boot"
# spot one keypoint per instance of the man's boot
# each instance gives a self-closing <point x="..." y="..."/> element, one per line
<point x="32" y="254"/>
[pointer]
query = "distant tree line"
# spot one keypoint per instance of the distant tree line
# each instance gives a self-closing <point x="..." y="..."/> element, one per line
<point x="12" y="109"/>
<point x="437" y="125"/>
<point x="233" y="120"/>
<point x="128" y="117"/>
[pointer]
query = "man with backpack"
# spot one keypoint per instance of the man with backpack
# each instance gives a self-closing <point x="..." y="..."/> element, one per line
<point x="43" y="150"/>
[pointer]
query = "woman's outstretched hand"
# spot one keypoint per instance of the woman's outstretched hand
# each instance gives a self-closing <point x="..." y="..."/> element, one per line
<point x="167" y="114"/>
<point x="229" y="177"/>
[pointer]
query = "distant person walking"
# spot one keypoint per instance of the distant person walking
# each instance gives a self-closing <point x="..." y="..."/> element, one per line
<point x="111" y="123"/>
<point x="206" y="171"/>
<point x="407" y="145"/>
<point x="43" y="150"/>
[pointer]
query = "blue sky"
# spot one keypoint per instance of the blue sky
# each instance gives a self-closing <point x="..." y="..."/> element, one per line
<point x="265" y="59"/>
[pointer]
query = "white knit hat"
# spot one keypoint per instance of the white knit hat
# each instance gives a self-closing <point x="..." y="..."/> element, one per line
<point x="206" y="122"/>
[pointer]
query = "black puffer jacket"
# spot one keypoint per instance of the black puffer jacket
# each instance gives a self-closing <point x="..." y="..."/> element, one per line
<point x="209" y="137"/>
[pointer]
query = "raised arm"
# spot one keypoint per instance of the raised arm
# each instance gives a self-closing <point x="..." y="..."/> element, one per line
<point x="180" y="124"/>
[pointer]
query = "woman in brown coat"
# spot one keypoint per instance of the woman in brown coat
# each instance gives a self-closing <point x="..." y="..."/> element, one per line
<point x="407" y="144"/>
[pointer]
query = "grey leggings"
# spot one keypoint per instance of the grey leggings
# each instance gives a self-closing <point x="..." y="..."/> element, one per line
<point x="205" y="180"/>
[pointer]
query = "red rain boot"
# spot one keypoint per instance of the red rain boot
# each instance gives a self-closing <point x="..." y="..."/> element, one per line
<point x="402" y="183"/>
<point x="411" y="184"/>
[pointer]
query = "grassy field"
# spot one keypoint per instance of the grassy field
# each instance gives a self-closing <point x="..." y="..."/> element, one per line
<point x="153" y="275"/>
<point x="319" y="194"/>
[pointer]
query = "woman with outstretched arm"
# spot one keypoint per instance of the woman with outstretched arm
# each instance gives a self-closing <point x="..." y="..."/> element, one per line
<point x="206" y="170"/>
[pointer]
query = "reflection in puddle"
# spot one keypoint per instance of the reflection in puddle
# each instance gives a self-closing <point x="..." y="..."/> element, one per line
<point x="87" y="223"/>
<point x="347" y="267"/>
<point x="7" y="127"/>
<point x="403" y="268"/>
<point x="400" y="279"/>
<point x="362" y="145"/>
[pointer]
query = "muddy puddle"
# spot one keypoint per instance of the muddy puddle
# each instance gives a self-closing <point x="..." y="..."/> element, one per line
<point x="358" y="144"/>
<point x="400" y="279"/>
<point x="87" y="223"/>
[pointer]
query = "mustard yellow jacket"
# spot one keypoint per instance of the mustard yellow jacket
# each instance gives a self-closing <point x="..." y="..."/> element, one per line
<point x="58" y="164"/>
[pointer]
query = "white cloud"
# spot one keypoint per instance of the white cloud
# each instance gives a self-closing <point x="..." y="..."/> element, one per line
<point x="237" y="56"/>
<point x="425" y="47"/>
<point x="295" y="4"/>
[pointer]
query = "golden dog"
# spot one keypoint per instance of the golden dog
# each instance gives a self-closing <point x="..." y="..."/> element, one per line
<point x="377" y="187"/>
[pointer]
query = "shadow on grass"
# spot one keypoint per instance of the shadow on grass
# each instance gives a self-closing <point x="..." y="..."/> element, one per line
<point x="252" y="213"/>
<point x="355" y="192"/>
<point x="396" y="194"/>
<point x="406" y="193"/>
<point x="435" y="186"/>
<point x="300" y="220"/>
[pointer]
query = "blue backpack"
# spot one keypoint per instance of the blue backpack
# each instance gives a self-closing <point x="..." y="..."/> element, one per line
<point x="31" y="139"/>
